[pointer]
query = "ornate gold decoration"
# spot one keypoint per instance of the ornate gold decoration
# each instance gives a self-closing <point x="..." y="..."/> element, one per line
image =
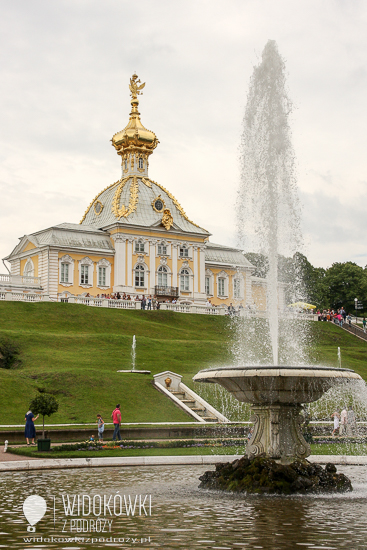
<point x="147" y="182"/>
<point x="98" y="207"/>
<point x="159" y="198"/>
<point x="134" y="88"/>
<point x="176" y="203"/>
<point x="167" y="220"/>
<point x="168" y="382"/>
<point x="124" y="212"/>
<point x="95" y="198"/>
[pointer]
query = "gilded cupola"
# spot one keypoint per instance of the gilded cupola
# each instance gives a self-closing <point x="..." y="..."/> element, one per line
<point x="135" y="143"/>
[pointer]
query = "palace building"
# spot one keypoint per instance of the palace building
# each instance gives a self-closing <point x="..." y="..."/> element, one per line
<point x="134" y="238"/>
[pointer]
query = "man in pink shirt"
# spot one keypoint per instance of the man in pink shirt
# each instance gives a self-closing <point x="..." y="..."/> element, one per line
<point x="116" y="419"/>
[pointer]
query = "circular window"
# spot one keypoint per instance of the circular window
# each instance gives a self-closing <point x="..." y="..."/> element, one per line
<point x="98" y="207"/>
<point x="158" y="205"/>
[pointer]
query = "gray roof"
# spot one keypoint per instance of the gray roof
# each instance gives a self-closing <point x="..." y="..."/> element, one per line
<point x="143" y="214"/>
<point x="224" y="255"/>
<point x="70" y="235"/>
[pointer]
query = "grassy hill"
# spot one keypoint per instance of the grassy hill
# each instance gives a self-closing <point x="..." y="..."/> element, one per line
<point x="74" y="352"/>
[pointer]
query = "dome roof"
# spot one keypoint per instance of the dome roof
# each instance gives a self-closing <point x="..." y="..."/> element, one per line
<point x="135" y="135"/>
<point x="139" y="201"/>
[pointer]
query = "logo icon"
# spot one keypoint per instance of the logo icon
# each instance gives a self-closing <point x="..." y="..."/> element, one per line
<point x="34" y="508"/>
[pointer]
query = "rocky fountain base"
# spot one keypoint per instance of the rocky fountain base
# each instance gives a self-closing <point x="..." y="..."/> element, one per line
<point x="275" y="456"/>
<point x="265" y="475"/>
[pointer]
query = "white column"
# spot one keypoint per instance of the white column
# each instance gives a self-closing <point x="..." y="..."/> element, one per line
<point x="120" y="255"/>
<point x="202" y="269"/>
<point x="196" y="270"/>
<point x="174" y="264"/>
<point x="152" y="247"/>
<point x="130" y="262"/>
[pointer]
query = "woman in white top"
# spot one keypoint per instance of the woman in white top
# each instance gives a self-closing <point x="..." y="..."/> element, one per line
<point x="336" y="417"/>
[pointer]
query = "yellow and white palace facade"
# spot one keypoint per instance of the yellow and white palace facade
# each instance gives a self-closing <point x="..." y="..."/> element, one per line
<point x="134" y="239"/>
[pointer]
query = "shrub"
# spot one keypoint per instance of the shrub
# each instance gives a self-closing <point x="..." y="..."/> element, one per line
<point x="9" y="354"/>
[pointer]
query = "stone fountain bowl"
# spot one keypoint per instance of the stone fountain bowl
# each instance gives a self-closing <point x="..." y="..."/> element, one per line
<point x="269" y="384"/>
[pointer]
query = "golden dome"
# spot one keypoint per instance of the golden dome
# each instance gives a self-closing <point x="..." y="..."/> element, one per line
<point x="135" y="135"/>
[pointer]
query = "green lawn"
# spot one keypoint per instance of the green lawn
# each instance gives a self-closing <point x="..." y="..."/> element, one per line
<point x="74" y="352"/>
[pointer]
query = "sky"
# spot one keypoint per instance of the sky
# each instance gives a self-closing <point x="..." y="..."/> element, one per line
<point x="65" y="69"/>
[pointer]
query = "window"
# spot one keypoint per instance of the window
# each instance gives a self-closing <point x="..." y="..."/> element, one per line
<point x="207" y="285"/>
<point x="101" y="276"/>
<point x="221" y="283"/>
<point x="139" y="246"/>
<point x="184" y="252"/>
<point x="236" y="288"/>
<point x="141" y="162"/>
<point x="162" y="276"/>
<point x="139" y="276"/>
<point x="64" y="273"/>
<point x="162" y="249"/>
<point x="84" y="272"/>
<point x="125" y="164"/>
<point x="29" y="269"/>
<point x="185" y="280"/>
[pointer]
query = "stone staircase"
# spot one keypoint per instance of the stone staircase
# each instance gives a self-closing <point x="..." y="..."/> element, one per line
<point x="170" y="384"/>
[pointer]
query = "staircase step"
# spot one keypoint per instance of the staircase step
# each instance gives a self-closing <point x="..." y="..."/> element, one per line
<point x="188" y="400"/>
<point x="198" y="409"/>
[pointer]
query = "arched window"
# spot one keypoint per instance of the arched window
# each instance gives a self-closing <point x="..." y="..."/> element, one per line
<point x="139" y="276"/>
<point x="162" y="276"/>
<point x="141" y="162"/>
<point x="184" y="280"/>
<point x="29" y="269"/>
<point x="139" y="246"/>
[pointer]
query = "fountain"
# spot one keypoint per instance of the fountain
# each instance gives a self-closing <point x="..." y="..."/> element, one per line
<point x="268" y="214"/>
<point x="133" y="358"/>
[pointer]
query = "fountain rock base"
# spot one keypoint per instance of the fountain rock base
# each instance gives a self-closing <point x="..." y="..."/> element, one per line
<point x="264" y="475"/>
<point x="277" y="433"/>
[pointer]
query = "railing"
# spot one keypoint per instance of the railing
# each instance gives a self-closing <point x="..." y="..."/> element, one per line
<point x="20" y="280"/>
<point x="166" y="291"/>
<point x="100" y="302"/>
<point x="193" y="308"/>
<point x="22" y="297"/>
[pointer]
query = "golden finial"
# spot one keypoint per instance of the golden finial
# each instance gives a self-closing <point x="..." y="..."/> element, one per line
<point x="134" y="88"/>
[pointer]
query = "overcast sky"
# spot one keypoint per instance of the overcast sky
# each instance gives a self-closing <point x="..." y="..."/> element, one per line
<point x="65" y="68"/>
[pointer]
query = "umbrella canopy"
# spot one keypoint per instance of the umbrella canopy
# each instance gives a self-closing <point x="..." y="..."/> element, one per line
<point x="303" y="305"/>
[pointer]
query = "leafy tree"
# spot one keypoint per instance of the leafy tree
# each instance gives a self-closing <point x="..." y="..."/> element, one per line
<point x="44" y="404"/>
<point x="9" y="354"/>
<point x="344" y="282"/>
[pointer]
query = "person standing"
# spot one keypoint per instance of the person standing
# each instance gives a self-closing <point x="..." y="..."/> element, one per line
<point x="116" y="419"/>
<point x="351" y="422"/>
<point x="30" y="430"/>
<point x="149" y="303"/>
<point x="100" y="422"/>
<point x="336" y="417"/>
<point x="343" y="421"/>
<point x="364" y="324"/>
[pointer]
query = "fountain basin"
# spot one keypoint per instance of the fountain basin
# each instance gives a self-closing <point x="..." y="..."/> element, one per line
<point x="269" y="384"/>
<point x="276" y="395"/>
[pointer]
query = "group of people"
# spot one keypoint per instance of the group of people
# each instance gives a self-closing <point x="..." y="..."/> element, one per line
<point x="339" y="317"/>
<point x="344" y="422"/>
<point x="116" y="419"/>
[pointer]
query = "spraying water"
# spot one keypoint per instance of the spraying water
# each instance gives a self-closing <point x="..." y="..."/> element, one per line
<point x="133" y="353"/>
<point x="267" y="206"/>
<point x="339" y="358"/>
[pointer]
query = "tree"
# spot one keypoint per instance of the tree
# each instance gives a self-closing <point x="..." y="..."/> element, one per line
<point x="343" y="283"/>
<point x="44" y="404"/>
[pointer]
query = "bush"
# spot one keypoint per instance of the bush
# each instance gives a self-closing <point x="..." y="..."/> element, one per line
<point x="9" y="354"/>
